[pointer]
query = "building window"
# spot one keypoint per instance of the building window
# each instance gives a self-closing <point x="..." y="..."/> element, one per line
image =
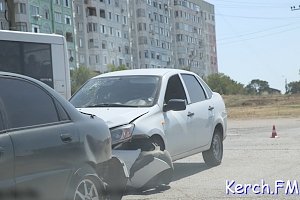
<point x="126" y="49"/>
<point x="92" y="27"/>
<point x="46" y="12"/>
<point x="81" y="59"/>
<point x="35" y="28"/>
<point x="57" y="2"/>
<point x="67" y="19"/>
<point x="69" y="37"/>
<point x="20" y="8"/>
<point x="102" y="13"/>
<point x="146" y="53"/>
<point x="67" y="3"/>
<point x="2" y="6"/>
<point x="103" y="44"/>
<point x="34" y="10"/>
<point x="141" y="12"/>
<point x="57" y="17"/>
<point x="21" y="26"/>
<point x="80" y="43"/>
<point x="80" y="26"/>
<point x="117" y="18"/>
<point x="92" y="11"/>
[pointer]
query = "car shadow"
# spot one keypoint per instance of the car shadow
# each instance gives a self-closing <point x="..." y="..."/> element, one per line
<point x="181" y="170"/>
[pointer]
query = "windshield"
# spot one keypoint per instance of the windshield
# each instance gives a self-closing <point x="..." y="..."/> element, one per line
<point x="118" y="91"/>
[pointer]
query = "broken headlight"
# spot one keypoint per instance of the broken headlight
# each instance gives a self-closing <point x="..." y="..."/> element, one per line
<point x="121" y="133"/>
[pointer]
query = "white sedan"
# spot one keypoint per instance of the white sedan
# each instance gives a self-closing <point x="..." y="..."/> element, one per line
<point x="174" y="109"/>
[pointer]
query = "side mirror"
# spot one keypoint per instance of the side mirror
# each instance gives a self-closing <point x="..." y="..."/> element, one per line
<point x="175" y="104"/>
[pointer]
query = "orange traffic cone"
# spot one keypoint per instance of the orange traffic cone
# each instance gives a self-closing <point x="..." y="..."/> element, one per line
<point x="274" y="134"/>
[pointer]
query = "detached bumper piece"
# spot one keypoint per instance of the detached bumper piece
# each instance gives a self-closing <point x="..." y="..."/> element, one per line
<point x="146" y="169"/>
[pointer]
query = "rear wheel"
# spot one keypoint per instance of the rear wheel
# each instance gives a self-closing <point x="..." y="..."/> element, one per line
<point x="214" y="155"/>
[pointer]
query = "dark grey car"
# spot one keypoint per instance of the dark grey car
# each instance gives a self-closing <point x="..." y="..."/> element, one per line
<point x="48" y="150"/>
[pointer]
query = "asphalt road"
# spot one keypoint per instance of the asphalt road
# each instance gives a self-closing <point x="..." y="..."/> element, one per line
<point x="250" y="156"/>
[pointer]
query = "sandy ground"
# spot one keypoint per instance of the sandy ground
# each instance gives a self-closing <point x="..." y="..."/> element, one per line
<point x="250" y="156"/>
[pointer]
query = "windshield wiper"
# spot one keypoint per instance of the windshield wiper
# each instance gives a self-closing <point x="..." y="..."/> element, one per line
<point x="91" y="115"/>
<point x="109" y="105"/>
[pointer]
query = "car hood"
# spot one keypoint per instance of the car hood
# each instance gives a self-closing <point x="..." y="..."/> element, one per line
<point x="116" y="116"/>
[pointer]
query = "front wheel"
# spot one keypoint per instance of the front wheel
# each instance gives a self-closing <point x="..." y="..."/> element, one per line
<point x="88" y="188"/>
<point x="214" y="155"/>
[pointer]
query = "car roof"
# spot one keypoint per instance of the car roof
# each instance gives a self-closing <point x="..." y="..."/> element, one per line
<point x="151" y="72"/>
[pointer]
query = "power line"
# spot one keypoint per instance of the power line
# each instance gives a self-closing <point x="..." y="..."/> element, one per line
<point x="251" y="33"/>
<point x="262" y="36"/>
<point x="253" y="17"/>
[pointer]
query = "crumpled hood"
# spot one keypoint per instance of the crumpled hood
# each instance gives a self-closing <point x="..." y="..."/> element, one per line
<point x="116" y="116"/>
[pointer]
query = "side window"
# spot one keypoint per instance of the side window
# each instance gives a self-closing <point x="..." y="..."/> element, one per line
<point x="26" y="104"/>
<point x="206" y="88"/>
<point x="174" y="89"/>
<point x="194" y="88"/>
<point x="63" y="116"/>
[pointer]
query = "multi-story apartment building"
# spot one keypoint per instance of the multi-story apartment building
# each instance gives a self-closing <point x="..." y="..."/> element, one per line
<point x="146" y="34"/>
<point x="102" y="33"/>
<point x="151" y="34"/>
<point x="4" y="25"/>
<point x="194" y="36"/>
<point x="44" y="16"/>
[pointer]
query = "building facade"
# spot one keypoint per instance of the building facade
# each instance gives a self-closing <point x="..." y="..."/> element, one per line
<point x="4" y="25"/>
<point x="102" y="33"/>
<point x="194" y="36"/>
<point x="151" y="34"/>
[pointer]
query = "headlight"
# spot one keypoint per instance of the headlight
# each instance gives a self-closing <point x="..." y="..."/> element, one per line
<point x="121" y="133"/>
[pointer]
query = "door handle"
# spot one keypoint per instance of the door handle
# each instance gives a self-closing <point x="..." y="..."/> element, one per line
<point x="190" y="114"/>
<point x="211" y="108"/>
<point x="65" y="137"/>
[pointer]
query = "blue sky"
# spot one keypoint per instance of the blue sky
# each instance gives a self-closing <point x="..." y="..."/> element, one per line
<point x="258" y="40"/>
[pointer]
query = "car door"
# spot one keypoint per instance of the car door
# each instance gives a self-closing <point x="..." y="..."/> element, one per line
<point x="7" y="183"/>
<point x="200" y="112"/>
<point x="43" y="139"/>
<point x="175" y="127"/>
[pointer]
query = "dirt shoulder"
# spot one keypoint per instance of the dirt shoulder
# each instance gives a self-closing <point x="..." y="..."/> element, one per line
<point x="265" y="106"/>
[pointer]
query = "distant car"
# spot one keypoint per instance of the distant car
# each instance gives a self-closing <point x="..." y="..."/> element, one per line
<point x="48" y="150"/>
<point x="175" y="109"/>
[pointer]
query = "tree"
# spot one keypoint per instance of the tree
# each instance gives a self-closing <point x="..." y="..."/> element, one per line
<point x="293" y="87"/>
<point x="113" y="68"/>
<point x="223" y="84"/>
<point x="257" y="86"/>
<point x="79" y="76"/>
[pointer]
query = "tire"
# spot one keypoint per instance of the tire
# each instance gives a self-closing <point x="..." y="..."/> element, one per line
<point x="214" y="155"/>
<point x="89" y="186"/>
<point x="157" y="141"/>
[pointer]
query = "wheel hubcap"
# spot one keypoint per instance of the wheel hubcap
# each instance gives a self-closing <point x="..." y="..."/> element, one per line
<point x="86" y="190"/>
<point x="217" y="149"/>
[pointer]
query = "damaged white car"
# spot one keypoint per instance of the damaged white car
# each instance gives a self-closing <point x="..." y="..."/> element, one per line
<point x="156" y="116"/>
